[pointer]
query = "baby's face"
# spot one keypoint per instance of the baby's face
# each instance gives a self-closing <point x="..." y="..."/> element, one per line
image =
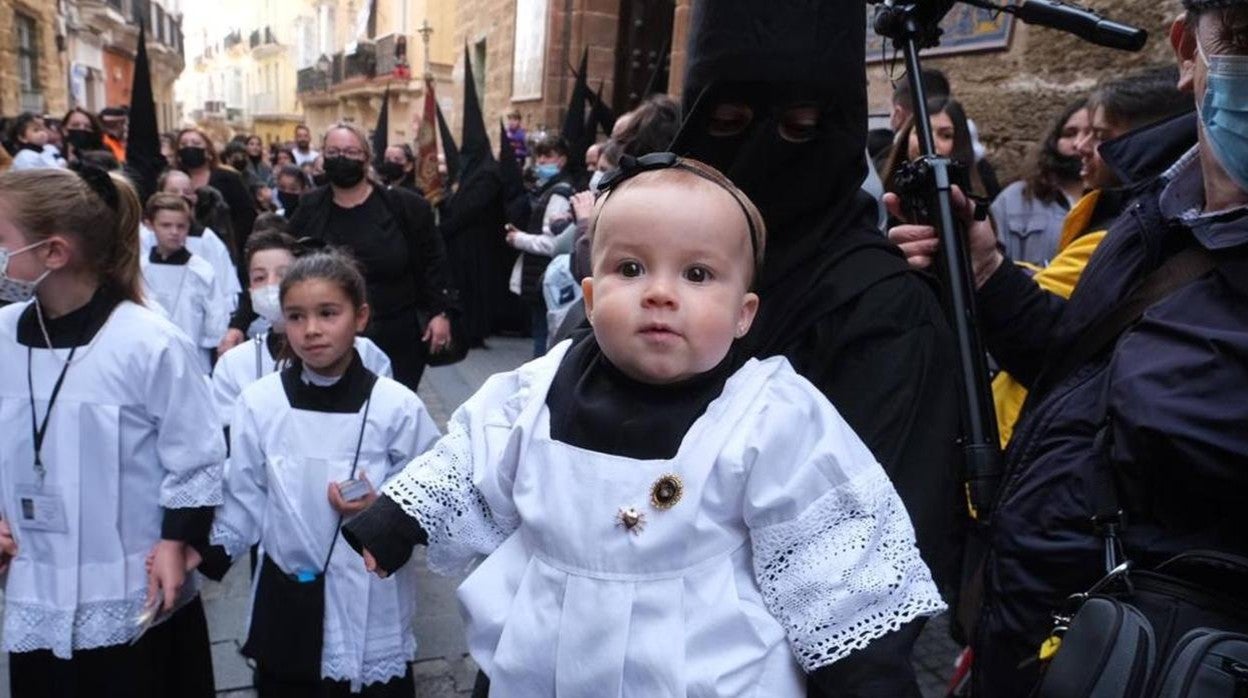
<point x="670" y="289"/>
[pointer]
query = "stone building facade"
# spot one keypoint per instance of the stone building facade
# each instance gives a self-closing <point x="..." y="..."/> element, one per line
<point x="1012" y="91"/>
<point x="1013" y="94"/>
<point x="626" y="41"/>
<point x="32" y="68"/>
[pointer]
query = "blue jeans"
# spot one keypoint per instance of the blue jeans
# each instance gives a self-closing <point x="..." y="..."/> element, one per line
<point x="537" y="321"/>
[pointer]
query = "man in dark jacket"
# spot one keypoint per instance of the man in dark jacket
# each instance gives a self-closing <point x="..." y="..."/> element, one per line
<point x="775" y="97"/>
<point x="1153" y="423"/>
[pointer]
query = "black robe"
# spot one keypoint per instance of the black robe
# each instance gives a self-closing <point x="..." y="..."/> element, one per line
<point x="480" y="260"/>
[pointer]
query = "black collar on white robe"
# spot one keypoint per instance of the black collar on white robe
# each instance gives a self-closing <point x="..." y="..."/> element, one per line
<point x="595" y="406"/>
<point x="347" y="396"/>
<point x="75" y="328"/>
<point x="182" y="256"/>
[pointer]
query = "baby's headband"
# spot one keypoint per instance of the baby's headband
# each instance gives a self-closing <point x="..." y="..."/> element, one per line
<point x="630" y="167"/>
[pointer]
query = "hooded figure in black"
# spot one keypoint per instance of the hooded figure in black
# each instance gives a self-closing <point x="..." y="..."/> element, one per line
<point x="775" y="97"/>
<point x="472" y="223"/>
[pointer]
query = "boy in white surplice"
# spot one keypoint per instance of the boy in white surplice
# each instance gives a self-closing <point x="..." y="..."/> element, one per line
<point x="653" y="515"/>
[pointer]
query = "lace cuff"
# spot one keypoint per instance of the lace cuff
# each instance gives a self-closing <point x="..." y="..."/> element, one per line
<point x="200" y="487"/>
<point x="438" y="490"/>
<point x="844" y="572"/>
<point x="233" y="542"/>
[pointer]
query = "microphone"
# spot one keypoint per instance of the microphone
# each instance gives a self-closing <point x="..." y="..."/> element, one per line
<point x="1081" y="22"/>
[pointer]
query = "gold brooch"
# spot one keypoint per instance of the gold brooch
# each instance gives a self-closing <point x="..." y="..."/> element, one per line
<point x="632" y="520"/>
<point x="666" y="491"/>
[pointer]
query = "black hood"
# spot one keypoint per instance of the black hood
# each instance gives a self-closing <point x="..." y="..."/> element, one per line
<point x="508" y="167"/>
<point x="574" y="131"/>
<point x="474" y="146"/>
<point x="450" y="151"/>
<point x="772" y="55"/>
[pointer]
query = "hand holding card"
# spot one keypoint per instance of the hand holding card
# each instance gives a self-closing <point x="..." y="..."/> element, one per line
<point x="350" y="497"/>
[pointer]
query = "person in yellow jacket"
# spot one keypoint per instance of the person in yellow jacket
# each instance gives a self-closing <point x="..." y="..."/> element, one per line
<point x="1074" y="250"/>
<point x="1117" y="107"/>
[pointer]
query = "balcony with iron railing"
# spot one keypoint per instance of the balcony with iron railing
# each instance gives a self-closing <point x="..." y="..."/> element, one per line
<point x="264" y="43"/>
<point x="361" y="64"/>
<point x="310" y="80"/>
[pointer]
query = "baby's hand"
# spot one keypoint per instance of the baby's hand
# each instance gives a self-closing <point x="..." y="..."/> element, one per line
<point x="370" y="564"/>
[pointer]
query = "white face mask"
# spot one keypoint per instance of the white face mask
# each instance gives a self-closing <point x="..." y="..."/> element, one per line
<point x="595" y="179"/>
<point x="15" y="290"/>
<point x="266" y="303"/>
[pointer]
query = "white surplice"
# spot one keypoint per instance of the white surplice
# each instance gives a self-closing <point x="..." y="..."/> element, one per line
<point x="250" y="361"/>
<point x="188" y="296"/>
<point x="133" y="432"/>
<point x="788" y="549"/>
<point x="212" y="248"/>
<point x="282" y="460"/>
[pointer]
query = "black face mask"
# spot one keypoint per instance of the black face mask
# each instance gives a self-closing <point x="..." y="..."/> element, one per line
<point x="787" y="180"/>
<point x="343" y="171"/>
<point x="320" y="179"/>
<point x="239" y="163"/>
<point x="192" y="157"/>
<point x="289" y="201"/>
<point x="83" y="139"/>
<point x="391" y="171"/>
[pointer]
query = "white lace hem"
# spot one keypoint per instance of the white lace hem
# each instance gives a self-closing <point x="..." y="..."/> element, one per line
<point x="29" y="627"/>
<point x="227" y="537"/>
<point x="197" y="488"/>
<point x="345" y="666"/>
<point x="844" y="572"/>
<point x="437" y="489"/>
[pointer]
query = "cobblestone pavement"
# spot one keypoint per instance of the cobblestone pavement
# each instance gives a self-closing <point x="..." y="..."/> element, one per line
<point x="443" y="669"/>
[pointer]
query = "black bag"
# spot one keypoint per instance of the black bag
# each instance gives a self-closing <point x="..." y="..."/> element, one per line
<point x="1175" y="631"/>
<point x="455" y="350"/>
<point x="287" y="630"/>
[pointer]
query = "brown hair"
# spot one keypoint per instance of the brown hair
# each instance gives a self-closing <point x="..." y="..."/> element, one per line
<point x="689" y="168"/>
<point x="963" y="149"/>
<point x="333" y="265"/>
<point x="365" y="144"/>
<point x="262" y="240"/>
<point x="210" y="148"/>
<point x="49" y="201"/>
<point x="165" y="202"/>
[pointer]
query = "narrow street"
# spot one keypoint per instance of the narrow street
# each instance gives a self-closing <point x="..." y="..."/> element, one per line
<point x="443" y="669"/>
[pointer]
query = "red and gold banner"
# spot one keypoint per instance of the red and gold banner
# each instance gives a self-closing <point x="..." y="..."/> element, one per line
<point x="427" y="175"/>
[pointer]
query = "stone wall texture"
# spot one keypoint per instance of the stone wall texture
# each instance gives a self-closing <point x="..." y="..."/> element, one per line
<point x="51" y="69"/>
<point x="1013" y="95"/>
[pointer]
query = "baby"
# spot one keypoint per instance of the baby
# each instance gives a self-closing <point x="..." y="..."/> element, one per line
<point x="650" y="513"/>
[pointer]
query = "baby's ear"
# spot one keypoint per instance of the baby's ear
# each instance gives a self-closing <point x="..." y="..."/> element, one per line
<point x="749" y="308"/>
<point x="587" y="288"/>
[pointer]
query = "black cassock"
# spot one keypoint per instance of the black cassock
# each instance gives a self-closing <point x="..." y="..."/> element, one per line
<point x="480" y="259"/>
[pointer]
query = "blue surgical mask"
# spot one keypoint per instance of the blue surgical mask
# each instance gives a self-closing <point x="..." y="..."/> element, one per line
<point x="1224" y="112"/>
<point x="545" y="171"/>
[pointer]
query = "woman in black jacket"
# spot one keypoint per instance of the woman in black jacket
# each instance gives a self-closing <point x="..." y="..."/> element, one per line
<point x="391" y="232"/>
<point x="197" y="157"/>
